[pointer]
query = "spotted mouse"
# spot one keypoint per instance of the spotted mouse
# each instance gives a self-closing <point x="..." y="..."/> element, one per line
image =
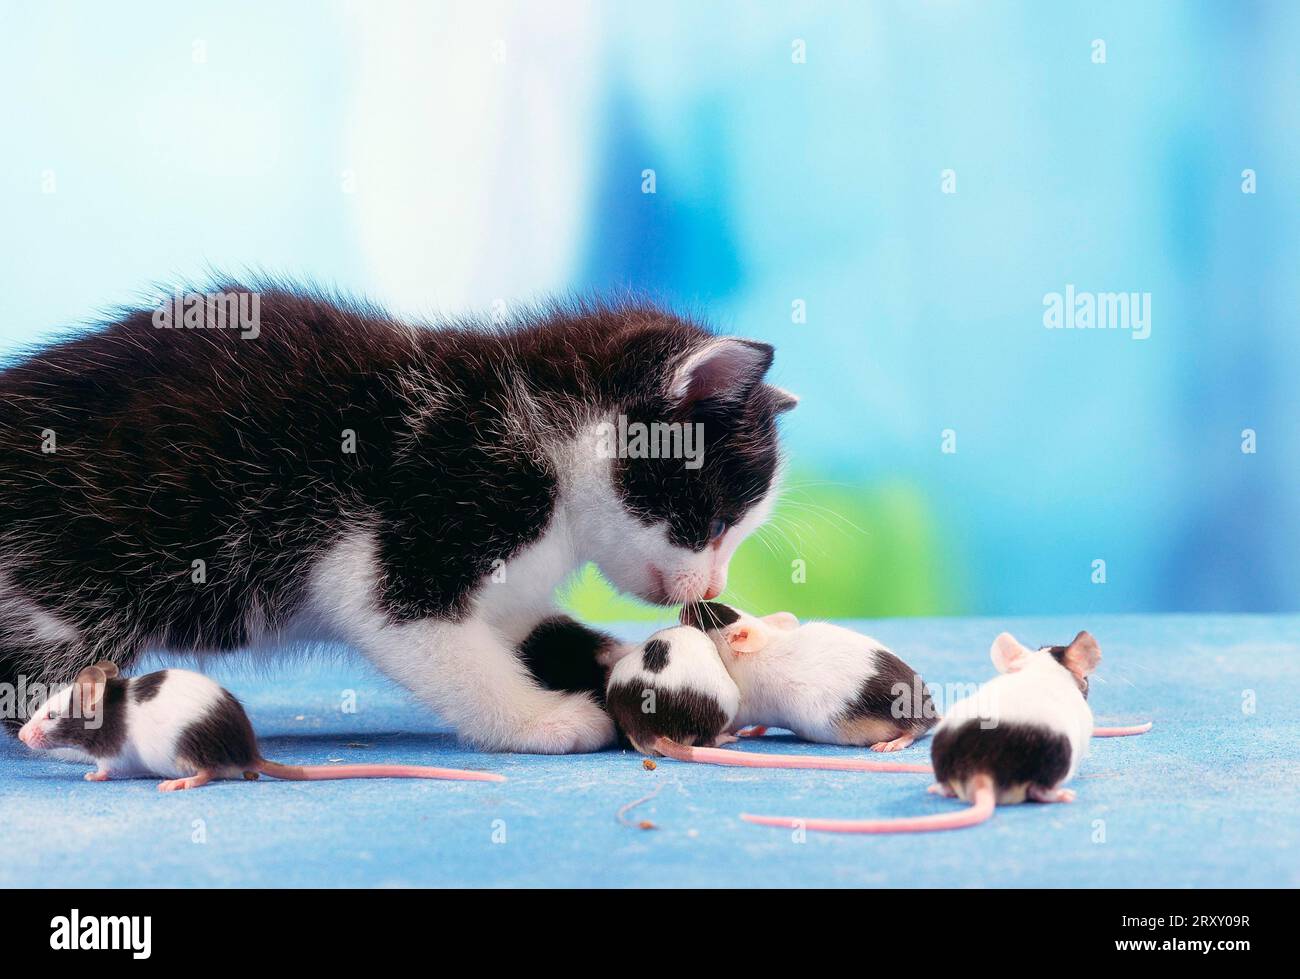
<point x="1019" y="737"/>
<point x="180" y="726"/>
<point x="674" y="686"/>
<point x="821" y="681"/>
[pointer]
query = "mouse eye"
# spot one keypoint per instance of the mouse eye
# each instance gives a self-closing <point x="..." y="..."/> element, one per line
<point x="50" y="715"/>
<point x="717" y="529"/>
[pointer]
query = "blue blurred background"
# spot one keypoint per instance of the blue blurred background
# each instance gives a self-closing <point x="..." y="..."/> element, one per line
<point x="886" y="191"/>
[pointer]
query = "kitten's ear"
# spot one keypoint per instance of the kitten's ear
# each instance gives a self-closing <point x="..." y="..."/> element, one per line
<point x="783" y="399"/>
<point x="724" y="370"/>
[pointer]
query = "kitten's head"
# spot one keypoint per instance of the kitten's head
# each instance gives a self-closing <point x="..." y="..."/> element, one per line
<point x="693" y="467"/>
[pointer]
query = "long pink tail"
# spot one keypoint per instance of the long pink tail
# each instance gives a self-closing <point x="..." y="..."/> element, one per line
<point x="981" y="808"/>
<point x="1121" y="732"/>
<point x="322" y="773"/>
<point x="758" y="759"/>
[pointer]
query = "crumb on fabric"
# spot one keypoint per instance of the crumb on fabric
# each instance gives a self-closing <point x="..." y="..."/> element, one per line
<point x="649" y="765"/>
<point x="623" y="810"/>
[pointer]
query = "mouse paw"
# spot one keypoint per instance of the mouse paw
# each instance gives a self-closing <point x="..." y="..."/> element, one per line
<point x="939" y="788"/>
<point x="97" y="776"/>
<point x="177" y="784"/>
<point x="896" y="745"/>
<point x="1039" y="794"/>
<point x="722" y="739"/>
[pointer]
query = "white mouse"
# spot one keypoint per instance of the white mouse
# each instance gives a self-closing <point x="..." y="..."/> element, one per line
<point x="674" y="686"/>
<point x="673" y="697"/>
<point x="821" y="681"/>
<point x="1019" y="737"/>
<point x="179" y="726"/>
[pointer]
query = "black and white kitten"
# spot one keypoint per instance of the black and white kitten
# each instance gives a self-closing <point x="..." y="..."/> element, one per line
<point x="335" y="474"/>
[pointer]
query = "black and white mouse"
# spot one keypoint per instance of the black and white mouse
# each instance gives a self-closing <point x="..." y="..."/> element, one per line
<point x="177" y="725"/>
<point x="824" y="682"/>
<point x="1019" y="737"/>
<point x="674" y="686"/>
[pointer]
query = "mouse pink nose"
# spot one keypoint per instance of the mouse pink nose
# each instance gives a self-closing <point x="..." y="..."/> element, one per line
<point x="25" y="735"/>
<point x="712" y="592"/>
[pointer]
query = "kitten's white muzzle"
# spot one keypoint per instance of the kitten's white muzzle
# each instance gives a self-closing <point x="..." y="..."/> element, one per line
<point x="688" y="585"/>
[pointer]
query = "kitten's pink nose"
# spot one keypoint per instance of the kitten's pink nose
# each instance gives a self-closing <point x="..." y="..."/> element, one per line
<point x="717" y="581"/>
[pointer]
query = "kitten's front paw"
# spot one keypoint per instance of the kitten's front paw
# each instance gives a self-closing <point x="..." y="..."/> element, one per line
<point x="572" y="724"/>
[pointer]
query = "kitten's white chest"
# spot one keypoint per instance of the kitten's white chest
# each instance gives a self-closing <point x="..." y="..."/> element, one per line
<point x="521" y="590"/>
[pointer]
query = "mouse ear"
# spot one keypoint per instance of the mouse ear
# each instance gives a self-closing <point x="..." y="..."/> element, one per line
<point x="745" y="637"/>
<point x="109" y="667"/>
<point x="1082" y="655"/>
<point x="784" y="621"/>
<point x="1007" y="654"/>
<point x="88" y="691"/>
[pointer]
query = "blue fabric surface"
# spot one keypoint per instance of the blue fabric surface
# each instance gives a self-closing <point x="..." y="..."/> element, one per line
<point x="1208" y="798"/>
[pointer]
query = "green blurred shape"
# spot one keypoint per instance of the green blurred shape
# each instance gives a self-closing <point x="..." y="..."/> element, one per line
<point x="866" y="552"/>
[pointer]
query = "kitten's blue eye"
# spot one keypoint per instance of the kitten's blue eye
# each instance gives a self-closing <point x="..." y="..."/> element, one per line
<point x="717" y="529"/>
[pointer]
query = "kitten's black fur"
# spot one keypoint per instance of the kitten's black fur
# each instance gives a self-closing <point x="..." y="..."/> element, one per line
<point x="183" y="445"/>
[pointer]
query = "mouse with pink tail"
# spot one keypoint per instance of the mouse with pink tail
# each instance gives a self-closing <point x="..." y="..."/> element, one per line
<point x="821" y="681"/>
<point x="179" y="726"/>
<point x="1019" y="737"/>
<point x="672" y="696"/>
